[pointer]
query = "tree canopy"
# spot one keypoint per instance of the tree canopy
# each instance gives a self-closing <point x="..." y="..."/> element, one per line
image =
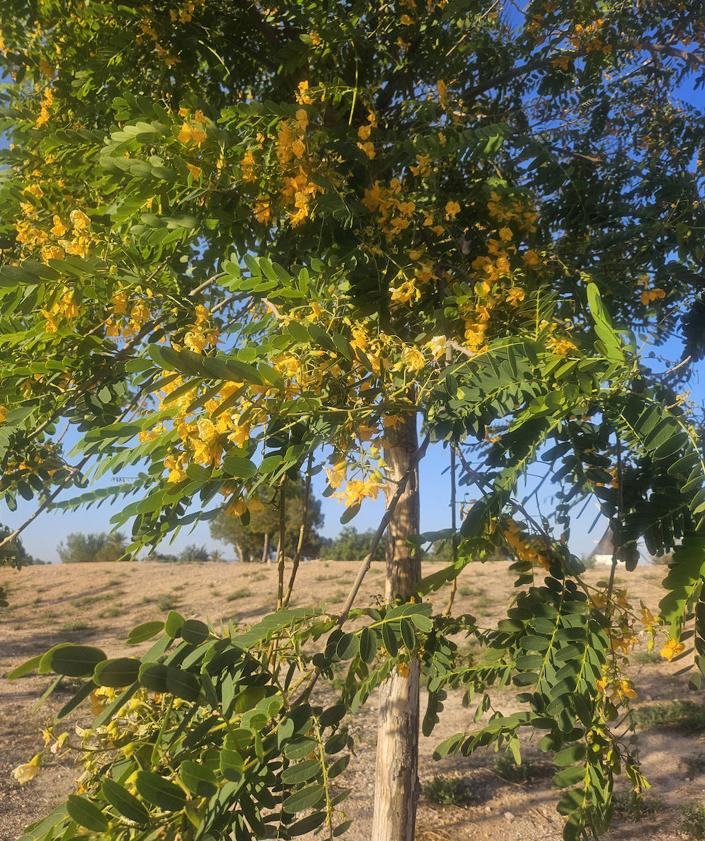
<point x="243" y="243"/>
<point x="255" y="534"/>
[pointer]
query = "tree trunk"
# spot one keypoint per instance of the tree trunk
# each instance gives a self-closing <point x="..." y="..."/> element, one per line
<point x="240" y="554"/>
<point x="396" y="780"/>
<point x="265" y="548"/>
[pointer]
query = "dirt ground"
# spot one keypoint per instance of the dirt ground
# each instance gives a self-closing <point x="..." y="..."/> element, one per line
<point x="101" y="602"/>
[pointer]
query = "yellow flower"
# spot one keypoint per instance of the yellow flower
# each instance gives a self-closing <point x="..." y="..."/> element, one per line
<point x="505" y="234"/>
<point x="561" y="347"/>
<point x="405" y="292"/>
<point x="3" y="413"/>
<point x="368" y="148"/>
<point x="406" y="20"/>
<point x="191" y="135"/>
<point x="302" y="95"/>
<point x="79" y="220"/>
<point x="672" y="649"/>
<point x="58" y="229"/>
<point x="411" y="359"/>
<point x="194" y="170"/>
<point x="247" y="167"/>
<point x="336" y="474"/>
<point x="649" y="295"/>
<point x="442" y="92"/>
<point x="298" y="147"/>
<point x="437" y="346"/>
<point x="24" y="773"/>
<point x="236" y="507"/>
<point x="515" y="296"/>
<point x="452" y="210"/>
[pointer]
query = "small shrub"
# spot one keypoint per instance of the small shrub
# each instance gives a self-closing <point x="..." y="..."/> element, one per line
<point x="694" y="763"/>
<point x="693" y="820"/>
<point x="447" y="791"/>
<point x="111" y="612"/>
<point x="167" y="601"/>
<point x="465" y="590"/>
<point x="685" y="715"/>
<point x="631" y="807"/>
<point x="643" y="657"/>
<point x="77" y="625"/>
<point x="242" y="593"/>
<point x="86" y="601"/>
<point x="507" y="769"/>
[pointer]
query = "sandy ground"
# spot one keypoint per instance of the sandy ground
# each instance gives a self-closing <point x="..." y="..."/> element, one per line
<point x="101" y="602"/>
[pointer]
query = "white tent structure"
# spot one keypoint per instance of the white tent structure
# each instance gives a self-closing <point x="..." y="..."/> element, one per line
<point x="603" y="553"/>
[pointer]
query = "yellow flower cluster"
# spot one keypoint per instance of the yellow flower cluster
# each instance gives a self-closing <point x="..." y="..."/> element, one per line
<point x="671" y="649"/>
<point x="125" y="319"/>
<point x="617" y="689"/>
<point x="193" y="130"/>
<point x="204" y="438"/>
<point x="357" y="490"/>
<point x="587" y="38"/>
<point x="364" y="132"/>
<point x="45" y="108"/>
<point x="393" y="212"/>
<point x="527" y="547"/>
<point x="201" y="334"/>
<point x="62" y="310"/>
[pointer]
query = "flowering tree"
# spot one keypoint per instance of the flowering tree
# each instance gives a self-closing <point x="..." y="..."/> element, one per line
<point x="243" y="243"/>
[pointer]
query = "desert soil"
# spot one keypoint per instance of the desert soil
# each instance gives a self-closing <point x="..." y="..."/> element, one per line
<point x="101" y="602"/>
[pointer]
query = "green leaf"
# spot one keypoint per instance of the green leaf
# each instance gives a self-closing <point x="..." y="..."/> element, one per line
<point x="85" y="813"/>
<point x="25" y="668"/>
<point x="301" y="772"/>
<point x="609" y="339"/>
<point x="368" y="644"/>
<point x="144" y="632"/>
<point x="125" y="803"/>
<point x="122" y="671"/>
<point x="305" y="798"/>
<point x="194" y="631"/>
<point x="198" y="779"/>
<point x="182" y="684"/>
<point x="174" y="623"/>
<point x="159" y="792"/>
<point x="76" y="660"/>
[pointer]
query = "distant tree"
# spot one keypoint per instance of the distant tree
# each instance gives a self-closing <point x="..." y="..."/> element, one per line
<point x="14" y="553"/>
<point x="255" y="533"/>
<point x="193" y="554"/>
<point x="353" y="545"/>
<point x="161" y="558"/>
<point x="82" y="548"/>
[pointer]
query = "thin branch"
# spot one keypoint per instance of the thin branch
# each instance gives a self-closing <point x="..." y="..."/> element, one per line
<point x="454" y="526"/>
<point x="207" y="282"/>
<point x="302" y="532"/>
<point x="282" y="543"/>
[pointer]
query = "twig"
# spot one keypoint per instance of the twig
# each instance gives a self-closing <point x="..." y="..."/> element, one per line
<point x="282" y="543"/>
<point x="207" y="282"/>
<point x="454" y="527"/>
<point x="45" y="504"/>
<point x="620" y="499"/>
<point x="302" y="533"/>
